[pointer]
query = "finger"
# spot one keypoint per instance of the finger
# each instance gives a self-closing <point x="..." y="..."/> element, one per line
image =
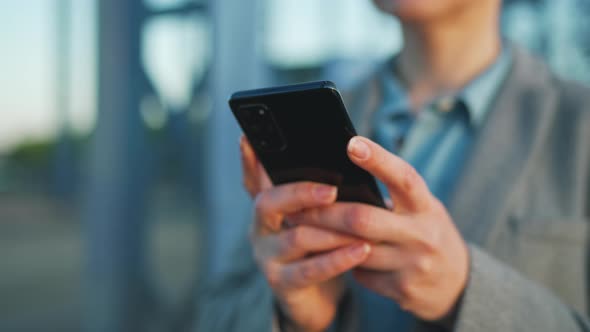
<point x="263" y="178"/>
<point x="361" y="220"/>
<point x="406" y="186"/>
<point x="300" y="241"/>
<point x="249" y="167"/>
<point x="384" y="258"/>
<point x="323" y="267"/>
<point x="254" y="176"/>
<point x="249" y="160"/>
<point x="273" y="204"/>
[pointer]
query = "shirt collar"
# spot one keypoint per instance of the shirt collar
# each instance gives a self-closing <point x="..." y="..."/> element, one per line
<point x="395" y="96"/>
<point x="477" y="95"/>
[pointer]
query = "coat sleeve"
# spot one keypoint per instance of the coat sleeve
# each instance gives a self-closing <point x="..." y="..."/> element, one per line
<point x="497" y="298"/>
<point x="241" y="301"/>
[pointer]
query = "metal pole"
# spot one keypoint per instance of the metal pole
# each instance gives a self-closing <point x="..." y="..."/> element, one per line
<point x="118" y="180"/>
<point x="237" y="65"/>
<point x="64" y="176"/>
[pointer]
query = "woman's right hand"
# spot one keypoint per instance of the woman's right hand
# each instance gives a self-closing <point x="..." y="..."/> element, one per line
<point x="303" y="264"/>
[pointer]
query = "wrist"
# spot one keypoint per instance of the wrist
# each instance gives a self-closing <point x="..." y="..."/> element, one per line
<point x="285" y="323"/>
<point x="447" y="322"/>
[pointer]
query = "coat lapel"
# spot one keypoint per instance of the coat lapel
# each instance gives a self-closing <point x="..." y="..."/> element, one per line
<point x="504" y="148"/>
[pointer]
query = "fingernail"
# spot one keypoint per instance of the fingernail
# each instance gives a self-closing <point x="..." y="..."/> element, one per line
<point x="359" y="149"/>
<point x="360" y="251"/>
<point x="324" y="192"/>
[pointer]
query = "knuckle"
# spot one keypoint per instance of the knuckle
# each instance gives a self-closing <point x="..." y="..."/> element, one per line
<point x="424" y="265"/>
<point x="432" y="204"/>
<point x="293" y="237"/>
<point x="261" y="204"/>
<point x="405" y="304"/>
<point x="312" y="216"/>
<point x="337" y="261"/>
<point x="437" y="205"/>
<point x="377" y="159"/>
<point x="411" y="178"/>
<point x="430" y="238"/>
<point x="406" y="289"/>
<point x="330" y="239"/>
<point x="358" y="220"/>
<point x="248" y="184"/>
<point x="307" y="272"/>
<point x="434" y="239"/>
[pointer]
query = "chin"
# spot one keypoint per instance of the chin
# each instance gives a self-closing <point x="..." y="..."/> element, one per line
<point x="419" y="10"/>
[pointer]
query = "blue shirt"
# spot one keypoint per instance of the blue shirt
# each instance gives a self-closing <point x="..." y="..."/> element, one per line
<point x="436" y="139"/>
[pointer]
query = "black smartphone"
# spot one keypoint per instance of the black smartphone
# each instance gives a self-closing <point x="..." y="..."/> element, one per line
<point x="300" y="133"/>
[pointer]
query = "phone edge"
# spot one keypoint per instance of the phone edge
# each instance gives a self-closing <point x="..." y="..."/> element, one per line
<point x="282" y="89"/>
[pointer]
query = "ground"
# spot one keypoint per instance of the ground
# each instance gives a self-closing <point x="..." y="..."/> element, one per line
<point x="42" y="258"/>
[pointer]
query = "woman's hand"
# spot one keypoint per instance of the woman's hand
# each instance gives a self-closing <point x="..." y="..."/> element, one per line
<point x="303" y="264"/>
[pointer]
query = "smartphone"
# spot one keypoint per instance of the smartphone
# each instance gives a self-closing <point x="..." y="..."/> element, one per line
<point x="300" y="133"/>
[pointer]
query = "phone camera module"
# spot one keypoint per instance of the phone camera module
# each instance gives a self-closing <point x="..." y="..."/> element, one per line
<point x="261" y="128"/>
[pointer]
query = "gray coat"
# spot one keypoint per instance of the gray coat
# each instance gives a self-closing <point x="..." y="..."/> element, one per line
<point x="522" y="204"/>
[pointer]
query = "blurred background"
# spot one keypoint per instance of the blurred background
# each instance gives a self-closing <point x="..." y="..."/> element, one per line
<point x="119" y="156"/>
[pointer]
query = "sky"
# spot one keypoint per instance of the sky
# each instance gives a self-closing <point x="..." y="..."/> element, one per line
<point x="27" y="62"/>
<point x="304" y="32"/>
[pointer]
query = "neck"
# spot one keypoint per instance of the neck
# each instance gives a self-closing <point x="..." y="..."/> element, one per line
<point x="441" y="57"/>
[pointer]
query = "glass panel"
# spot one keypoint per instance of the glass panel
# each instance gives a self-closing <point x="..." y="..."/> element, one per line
<point x="556" y="30"/>
<point x="308" y="32"/>
<point x="175" y="56"/>
<point x="82" y="106"/>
